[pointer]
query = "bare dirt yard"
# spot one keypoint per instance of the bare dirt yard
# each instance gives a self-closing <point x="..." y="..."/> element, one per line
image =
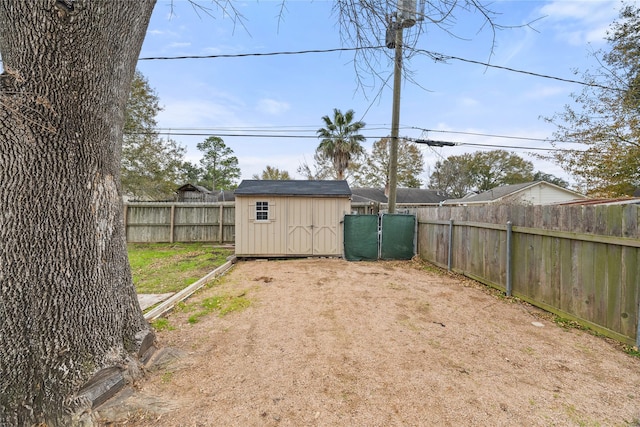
<point x="326" y="342"/>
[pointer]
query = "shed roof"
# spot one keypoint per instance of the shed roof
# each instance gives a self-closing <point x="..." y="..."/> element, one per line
<point x="265" y="187"/>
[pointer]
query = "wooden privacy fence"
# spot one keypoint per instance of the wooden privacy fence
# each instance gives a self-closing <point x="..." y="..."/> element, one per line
<point x="180" y="222"/>
<point x="149" y="222"/>
<point x="580" y="262"/>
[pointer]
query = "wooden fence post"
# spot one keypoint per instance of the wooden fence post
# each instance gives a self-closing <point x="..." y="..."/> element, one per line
<point x="221" y="225"/>
<point x="509" y="286"/>
<point x="172" y="223"/>
<point x="126" y="213"/>
<point x="450" y="255"/>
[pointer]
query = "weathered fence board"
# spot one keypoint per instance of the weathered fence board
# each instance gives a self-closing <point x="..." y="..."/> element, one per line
<point x="581" y="262"/>
<point x="180" y="222"/>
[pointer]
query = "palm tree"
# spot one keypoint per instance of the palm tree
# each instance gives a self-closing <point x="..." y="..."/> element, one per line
<point x="340" y="140"/>
<point x="272" y="173"/>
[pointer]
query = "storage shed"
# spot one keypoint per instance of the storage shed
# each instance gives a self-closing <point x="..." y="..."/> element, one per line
<point x="292" y="218"/>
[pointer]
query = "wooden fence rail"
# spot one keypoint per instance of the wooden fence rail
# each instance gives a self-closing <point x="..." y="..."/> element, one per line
<point x="188" y="222"/>
<point x="580" y="262"/>
<point x="180" y="222"/>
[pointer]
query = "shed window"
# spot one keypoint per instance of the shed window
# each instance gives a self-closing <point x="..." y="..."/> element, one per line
<point x="262" y="211"/>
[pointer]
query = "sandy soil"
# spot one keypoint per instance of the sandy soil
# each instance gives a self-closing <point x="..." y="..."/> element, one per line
<point x="328" y="342"/>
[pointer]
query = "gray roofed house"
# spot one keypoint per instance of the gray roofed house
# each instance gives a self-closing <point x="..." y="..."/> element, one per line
<point x="403" y="196"/>
<point x="533" y="193"/>
<point x="368" y="195"/>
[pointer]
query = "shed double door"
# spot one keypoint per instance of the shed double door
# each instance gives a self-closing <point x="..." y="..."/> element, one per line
<point x="313" y="227"/>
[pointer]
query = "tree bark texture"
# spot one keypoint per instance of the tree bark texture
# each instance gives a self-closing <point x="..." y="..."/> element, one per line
<point x="68" y="308"/>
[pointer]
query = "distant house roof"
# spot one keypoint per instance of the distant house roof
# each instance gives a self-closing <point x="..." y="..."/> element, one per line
<point x="403" y="195"/>
<point x="264" y="187"/>
<point x="367" y="195"/>
<point x="511" y="192"/>
<point x="419" y="195"/>
<point x="193" y="187"/>
<point x="207" y="195"/>
<point x="226" y="196"/>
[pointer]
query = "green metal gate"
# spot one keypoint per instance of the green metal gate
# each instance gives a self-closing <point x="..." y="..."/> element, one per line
<point x="372" y="237"/>
<point x="361" y="237"/>
<point x="397" y="236"/>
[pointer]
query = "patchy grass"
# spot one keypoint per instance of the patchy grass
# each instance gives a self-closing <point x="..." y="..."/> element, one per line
<point x="223" y="304"/>
<point x="159" y="268"/>
<point x="162" y="324"/>
<point x="632" y="351"/>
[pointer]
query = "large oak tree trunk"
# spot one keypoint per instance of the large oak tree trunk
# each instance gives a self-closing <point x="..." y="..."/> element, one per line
<point x="68" y="308"/>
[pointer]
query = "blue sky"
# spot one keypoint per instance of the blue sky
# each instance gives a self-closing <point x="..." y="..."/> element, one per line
<point x="290" y="93"/>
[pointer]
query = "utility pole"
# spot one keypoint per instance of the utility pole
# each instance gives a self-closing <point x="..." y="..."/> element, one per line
<point x="395" y="118"/>
<point x="405" y="18"/>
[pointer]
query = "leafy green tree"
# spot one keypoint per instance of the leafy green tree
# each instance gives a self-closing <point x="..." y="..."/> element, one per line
<point x="193" y="174"/>
<point x="542" y="176"/>
<point x="220" y="166"/>
<point x="452" y="176"/>
<point x="340" y="140"/>
<point x="491" y="169"/>
<point x="480" y="171"/>
<point x="272" y="173"/>
<point x="321" y="168"/>
<point x="151" y="166"/>
<point x="374" y="170"/>
<point x="605" y="116"/>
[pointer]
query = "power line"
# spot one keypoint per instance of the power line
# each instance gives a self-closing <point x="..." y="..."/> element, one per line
<point x="440" y="57"/>
<point x="436" y="56"/>
<point x="227" y="131"/>
<point x="244" y="55"/>
<point x="525" y="138"/>
<point x="513" y="147"/>
<point x="432" y="143"/>
<point x="429" y="143"/>
<point x="276" y="128"/>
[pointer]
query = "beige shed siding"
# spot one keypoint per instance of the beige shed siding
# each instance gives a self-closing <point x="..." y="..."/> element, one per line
<point x="298" y="226"/>
<point x="259" y="237"/>
<point x="327" y="231"/>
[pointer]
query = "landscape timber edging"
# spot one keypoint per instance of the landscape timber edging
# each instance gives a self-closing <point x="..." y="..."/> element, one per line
<point x="168" y="305"/>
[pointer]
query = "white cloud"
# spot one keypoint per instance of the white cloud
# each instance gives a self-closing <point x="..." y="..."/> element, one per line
<point x="581" y="22"/>
<point x="542" y="92"/>
<point x="468" y="102"/>
<point x="212" y="51"/>
<point x="271" y="106"/>
<point x="179" y="44"/>
<point x="197" y="113"/>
